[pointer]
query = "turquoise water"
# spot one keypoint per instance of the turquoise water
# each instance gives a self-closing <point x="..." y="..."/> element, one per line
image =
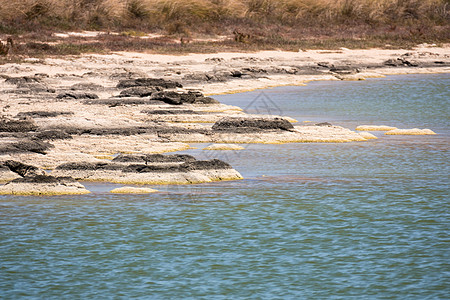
<point x="310" y="221"/>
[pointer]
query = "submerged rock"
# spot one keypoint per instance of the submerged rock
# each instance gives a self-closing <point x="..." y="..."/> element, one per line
<point x="375" y="128"/>
<point x="132" y="190"/>
<point x="414" y="131"/>
<point x="368" y="135"/>
<point x="323" y="124"/>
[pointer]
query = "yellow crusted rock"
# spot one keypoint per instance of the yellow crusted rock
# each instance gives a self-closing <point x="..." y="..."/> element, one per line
<point x="414" y="131"/>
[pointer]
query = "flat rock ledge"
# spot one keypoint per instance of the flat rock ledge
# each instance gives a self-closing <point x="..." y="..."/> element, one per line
<point x="42" y="185"/>
<point x="133" y="190"/>
<point x="224" y="147"/>
<point x="375" y="128"/>
<point x="299" y="134"/>
<point x="414" y="131"/>
<point x="178" y="171"/>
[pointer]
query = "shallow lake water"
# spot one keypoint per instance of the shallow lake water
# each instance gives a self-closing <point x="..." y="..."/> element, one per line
<point x="366" y="220"/>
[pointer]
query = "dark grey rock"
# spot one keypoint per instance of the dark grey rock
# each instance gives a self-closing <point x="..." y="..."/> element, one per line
<point x="22" y="169"/>
<point x="44" y="179"/>
<point x="153" y="158"/>
<point x="89" y="166"/>
<point x="178" y="98"/>
<point x="26" y="146"/>
<point x="188" y="164"/>
<point x="53" y="135"/>
<point x="323" y="124"/>
<point x="171" y="112"/>
<point x="139" y="91"/>
<point x="121" y="101"/>
<point x="34" y="87"/>
<point x="87" y="87"/>
<point x="75" y="95"/>
<point x="149" y="82"/>
<point x="12" y="125"/>
<point x="244" y="125"/>
<point x="23" y="79"/>
<point x="206" y="100"/>
<point x="344" y="70"/>
<point x="401" y="62"/>
<point x="43" y="114"/>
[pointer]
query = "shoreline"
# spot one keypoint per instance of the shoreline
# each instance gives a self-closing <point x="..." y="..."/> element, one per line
<point x="304" y="83"/>
<point x="79" y="112"/>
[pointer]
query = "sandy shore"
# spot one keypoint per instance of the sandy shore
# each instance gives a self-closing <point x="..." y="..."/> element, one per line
<point x="90" y="108"/>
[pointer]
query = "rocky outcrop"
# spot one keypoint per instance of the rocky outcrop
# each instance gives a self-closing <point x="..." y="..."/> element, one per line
<point x="139" y="91"/>
<point x="154" y="158"/>
<point x="171" y="112"/>
<point x="16" y="125"/>
<point x="251" y="124"/>
<point x="35" y="182"/>
<point x="401" y="62"/>
<point x="52" y="135"/>
<point x="149" y="82"/>
<point x="87" y="87"/>
<point x="141" y="115"/>
<point x="32" y="88"/>
<point x="23" y="170"/>
<point x="25" y="145"/>
<point x="43" y="114"/>
<point x="22" y="80"/>
<point x="6" y="174"/>
<point x="173" y="170"/>
<point x="178" y="98"/>
<point x="42" y="185"/>
<point x="120" y="102"/>
<point x="76" y="95"/>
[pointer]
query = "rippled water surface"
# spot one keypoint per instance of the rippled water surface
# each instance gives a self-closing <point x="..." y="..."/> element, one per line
<point x="310" y="221"/>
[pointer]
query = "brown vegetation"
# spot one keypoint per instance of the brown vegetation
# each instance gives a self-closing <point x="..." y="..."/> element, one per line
<point x="250" y="24"/>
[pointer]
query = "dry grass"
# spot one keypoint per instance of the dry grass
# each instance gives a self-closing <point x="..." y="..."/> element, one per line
<point x="255" y="24"/>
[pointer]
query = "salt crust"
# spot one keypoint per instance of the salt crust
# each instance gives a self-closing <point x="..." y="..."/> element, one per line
<point x="132" y="190"/>
<point x="375" y="128"/>
<point x="224" y="147"/>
